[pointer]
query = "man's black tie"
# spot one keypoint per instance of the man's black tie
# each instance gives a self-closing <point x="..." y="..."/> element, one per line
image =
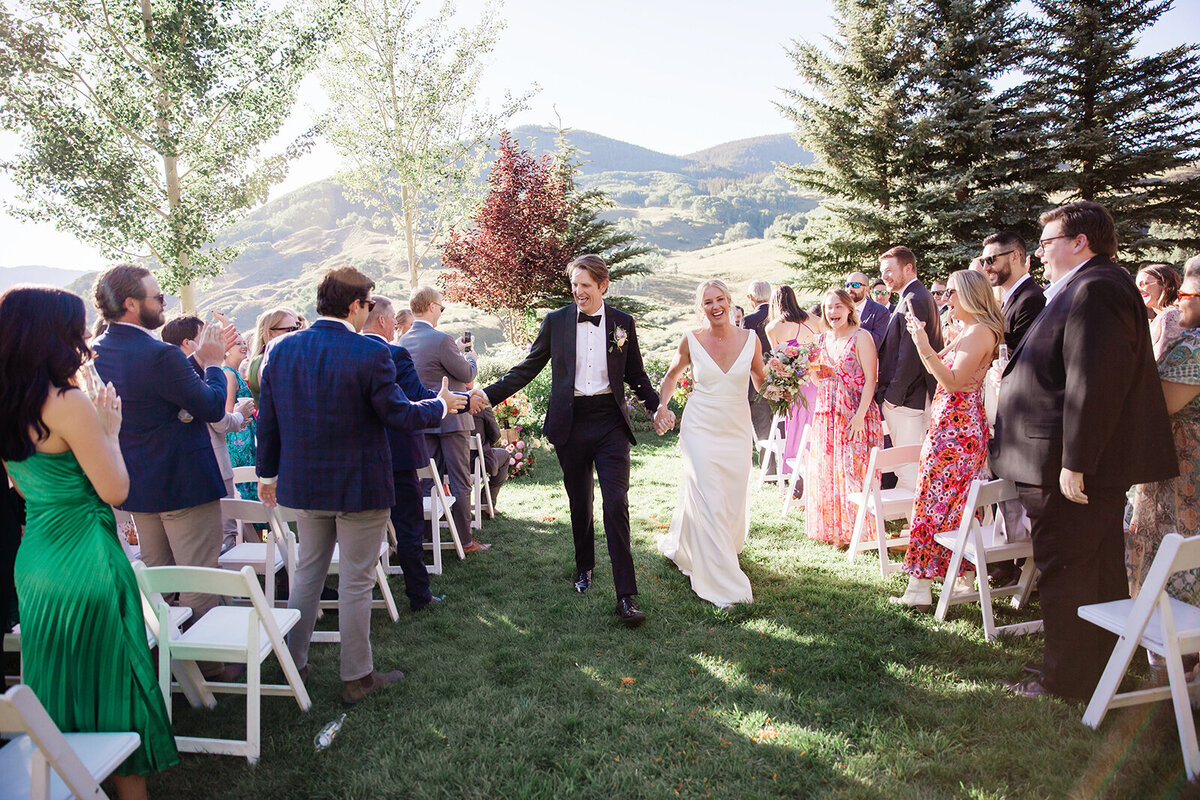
<point x="585" y="318"/>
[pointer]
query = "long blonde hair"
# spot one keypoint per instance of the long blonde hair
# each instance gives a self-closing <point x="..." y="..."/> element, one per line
<point x="974" y="294"/>
<point x="262" y="328"/>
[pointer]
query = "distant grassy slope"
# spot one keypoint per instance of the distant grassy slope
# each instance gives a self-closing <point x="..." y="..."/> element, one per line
<point x="754" y="156"/>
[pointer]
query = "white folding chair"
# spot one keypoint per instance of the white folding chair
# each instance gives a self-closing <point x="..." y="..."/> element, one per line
<point x="132" y="551"/>
<point x="1162" y="625"/>
<point x="42" y="763"/>
<point x="387" y="600"/>
<point x="980" y="545"/>
<point x="770" y="453"/>
<point x="884" y="504"/>
<point x="267" y="557"/>
<point x="437" y="510"/>
<point x="240" y="634"/>
<point x="798" y="465"/>
<point x="481" y="486"/>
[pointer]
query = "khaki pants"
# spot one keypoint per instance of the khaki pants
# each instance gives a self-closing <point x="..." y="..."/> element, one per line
<point x="186" y="537"/>
<point x="906" y="426"/>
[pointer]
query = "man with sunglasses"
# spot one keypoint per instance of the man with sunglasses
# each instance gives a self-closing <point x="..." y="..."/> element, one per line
<point x="1006" y="265"/>
<point x="872" y="317"/>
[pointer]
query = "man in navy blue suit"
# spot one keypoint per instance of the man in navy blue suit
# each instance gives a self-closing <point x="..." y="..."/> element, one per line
<point x="327" y="396"/>
<point x="872" y="317"/>
<point x="408" y="453"/>
<point x="175" y="485"/>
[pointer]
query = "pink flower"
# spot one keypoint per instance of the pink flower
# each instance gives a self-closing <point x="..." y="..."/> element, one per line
<point x="512" y="462"/>
<point x="775" y="364"/>
<point x="520" y="445"/>
<point x="792" y="351"/>
<point x="519" y="456"/>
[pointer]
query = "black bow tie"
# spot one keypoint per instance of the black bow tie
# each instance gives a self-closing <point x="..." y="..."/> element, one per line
<point x="585" y="318"/>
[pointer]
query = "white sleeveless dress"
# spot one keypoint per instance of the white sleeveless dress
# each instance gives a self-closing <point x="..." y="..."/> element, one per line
<point x="716" y="437"/>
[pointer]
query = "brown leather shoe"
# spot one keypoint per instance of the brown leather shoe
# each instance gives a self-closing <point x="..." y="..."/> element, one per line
<point x="354" y="692"/>
<point x="476" y="546"/>
<point x="305" y="671"/>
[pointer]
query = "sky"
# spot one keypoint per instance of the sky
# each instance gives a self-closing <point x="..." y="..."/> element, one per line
<point x="672" y="75"/>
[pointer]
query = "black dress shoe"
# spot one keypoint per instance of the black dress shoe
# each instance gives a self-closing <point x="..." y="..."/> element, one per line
<point x="1031" y="688"/>
<point x="628" y="612"/>
<point x="583" y="581"/>
<point x="433" y="599"/>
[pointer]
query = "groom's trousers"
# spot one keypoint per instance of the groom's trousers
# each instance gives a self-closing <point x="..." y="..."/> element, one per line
<point x="598" y="439"/>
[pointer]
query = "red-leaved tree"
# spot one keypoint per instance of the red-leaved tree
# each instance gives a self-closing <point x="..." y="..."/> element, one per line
<point x="516" y="249"/>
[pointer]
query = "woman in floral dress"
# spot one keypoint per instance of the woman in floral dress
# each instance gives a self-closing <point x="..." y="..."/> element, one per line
<point x="240" y="443"/>
<point x="955" y="449"/>
<point x="845" y="423"/>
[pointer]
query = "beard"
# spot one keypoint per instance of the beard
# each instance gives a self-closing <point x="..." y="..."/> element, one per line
<point x="151" y="320"/>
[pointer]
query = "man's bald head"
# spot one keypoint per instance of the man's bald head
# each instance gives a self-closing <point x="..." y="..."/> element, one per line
<point x="857" y="285"/>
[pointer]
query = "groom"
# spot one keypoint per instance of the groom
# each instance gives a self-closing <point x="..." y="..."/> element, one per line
<point x="593" y="353"/>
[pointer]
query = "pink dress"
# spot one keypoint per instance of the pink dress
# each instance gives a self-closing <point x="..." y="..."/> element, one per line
<point x="837" y="464"/>
<point x="798" y="420"/>
<point x="954" y="453"/>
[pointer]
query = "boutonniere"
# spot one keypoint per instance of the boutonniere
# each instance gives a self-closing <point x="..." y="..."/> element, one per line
<point x="619" y="337"/>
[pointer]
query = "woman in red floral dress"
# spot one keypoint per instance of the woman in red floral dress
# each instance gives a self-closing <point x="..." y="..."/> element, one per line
<point x="955" y="448"/>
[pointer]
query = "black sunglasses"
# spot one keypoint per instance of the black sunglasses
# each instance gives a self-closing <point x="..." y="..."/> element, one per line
<point x="289" y="328"/>
<point x="160" y="297"/>
<point x="987" y="261"/>
<point x="369" y="304"/>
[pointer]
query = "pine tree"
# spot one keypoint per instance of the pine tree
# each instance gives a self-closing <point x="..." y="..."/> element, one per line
<point x="1125" y="129"/>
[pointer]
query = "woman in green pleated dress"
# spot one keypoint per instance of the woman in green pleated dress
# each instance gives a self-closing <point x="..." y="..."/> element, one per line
<point x="83" y="639"/>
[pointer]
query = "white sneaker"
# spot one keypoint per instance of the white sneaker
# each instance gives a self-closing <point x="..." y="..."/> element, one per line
<point x="918" y="595"/>
<point x="965" y="583"/>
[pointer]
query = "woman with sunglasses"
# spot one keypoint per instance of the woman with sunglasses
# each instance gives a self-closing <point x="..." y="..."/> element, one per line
<point x="272" y="324"/>
<point x="1174" y="504"/>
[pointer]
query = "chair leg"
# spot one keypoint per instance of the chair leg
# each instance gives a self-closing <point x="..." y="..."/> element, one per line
<point x="454" y="533"/>
<point x="860" y="522"/>
<point x="1110" y="680"/>
<point x="253" y="708"/>
<point x="947" y="595"/>
<point x="1028" y="572"/>
<point x="386" y="591"/>
<point x="985" y="587"/>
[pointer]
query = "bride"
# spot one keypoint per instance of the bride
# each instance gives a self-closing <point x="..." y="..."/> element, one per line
<point x="710" y="522"/>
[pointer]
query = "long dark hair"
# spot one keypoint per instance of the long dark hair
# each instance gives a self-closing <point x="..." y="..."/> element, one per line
<point x="42" y="345"/>
<point x="785" y="306"/>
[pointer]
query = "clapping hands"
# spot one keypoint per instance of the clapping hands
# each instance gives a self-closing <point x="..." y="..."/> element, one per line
<point x="108" y="407"/>
<point x="664" y="420"/>
<point x="454" y="401"/>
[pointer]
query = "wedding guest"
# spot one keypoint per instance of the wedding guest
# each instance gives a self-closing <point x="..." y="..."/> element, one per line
<point x="872" y="317"/>
<point x="1081" y="418"/>
<point x="1173" y="505"/>
<point x="439" y="355"/>
<point x="175" y="481"/>
<point x="404" y="322"/>
<point x="83" y="638"/>
<point x="327" y="397"/>
<point x="739" y="317"/>
<point x="789" y="325"/>
<point x="240" y="442"/>
<point x="496" y="460"/>
<point x="1158" y="285"/>
<point x="759" y="294"/>
<point x="881" y="294"/>
<point x="846" y="422"/>
<point x="905" y="385"/>
<point x="271" y="324"/>
<point x="955" y="449"/>
<point x="12" y="519"/>
<point x="1006" y="265"/>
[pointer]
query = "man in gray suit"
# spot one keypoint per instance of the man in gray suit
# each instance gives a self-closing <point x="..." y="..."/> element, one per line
<point x="439" y="355"/>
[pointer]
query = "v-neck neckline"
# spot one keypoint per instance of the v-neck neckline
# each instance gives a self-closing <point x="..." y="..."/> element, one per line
<point x="714" y="361"/>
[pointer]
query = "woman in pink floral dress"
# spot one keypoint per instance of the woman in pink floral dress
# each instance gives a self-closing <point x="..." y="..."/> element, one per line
<point x="845" y="424"/>
<point x="955" y="449"/>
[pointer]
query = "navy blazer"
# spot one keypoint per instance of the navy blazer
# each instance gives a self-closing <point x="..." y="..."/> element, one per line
<point x="903" y="379"/>
<point x="874" y="320"/>
<point x="171" y="463"/>
<point x="408" y="447"/>
<point x="326" y="397"/>
<point x="756" y="321"/>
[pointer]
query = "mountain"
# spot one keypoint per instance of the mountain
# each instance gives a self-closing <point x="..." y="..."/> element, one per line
<point x="601" y="154"/>
<point x="756" y="156"/>
<point x="32" y="273"/>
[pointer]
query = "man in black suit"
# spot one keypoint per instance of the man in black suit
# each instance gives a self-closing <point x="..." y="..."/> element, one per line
<point x="1006" y="265"/>
<point x="1081" y="418"/>
<point x="905" y="386"/>
<point x="593" y="353"/>
<point x="759" y="294"/>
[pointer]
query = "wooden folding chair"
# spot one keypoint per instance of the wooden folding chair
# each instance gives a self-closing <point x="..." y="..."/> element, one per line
<point x="770" y="453"/>
<point x="437" y="511"/>
<point x="240" y="634"/>
<point x="1162" y="625"/>
<point x="798" y="465"/>
<point x="285" y="515"/>
<point x="980" y="545"/>
<point x="42" y="763"/>
<point x="884" y="504"/>
<point x="481" y="486"/>
<point x="266" y="557"/>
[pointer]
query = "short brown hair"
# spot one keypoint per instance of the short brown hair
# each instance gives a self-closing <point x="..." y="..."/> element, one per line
<point x="1087" y="219"/>
<point x="1010" y="239"/>
<point x="902" y="254"/>
<point x="592" y="264"/>
<point x="180" y="329"/>
<point x="339" y="289"/>
<point x="423" y="297"/>
<point x="116" y="285"/>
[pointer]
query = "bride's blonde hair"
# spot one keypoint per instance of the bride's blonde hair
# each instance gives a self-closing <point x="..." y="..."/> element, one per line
<point x="702" y="289"/>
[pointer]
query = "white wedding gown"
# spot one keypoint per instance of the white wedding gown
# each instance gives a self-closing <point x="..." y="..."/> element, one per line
<point x="716" y="438"/>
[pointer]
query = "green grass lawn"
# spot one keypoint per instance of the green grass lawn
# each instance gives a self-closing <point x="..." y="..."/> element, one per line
<point x="517" y="687"/>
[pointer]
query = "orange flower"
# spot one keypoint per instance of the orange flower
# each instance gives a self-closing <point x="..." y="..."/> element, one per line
<point x="628" y="681"/>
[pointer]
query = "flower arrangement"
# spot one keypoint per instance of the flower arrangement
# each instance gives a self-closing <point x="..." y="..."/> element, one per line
<point x="521" y="456"/>
<point x="683" y="388"/>
<point x="787" y="373"/>
<point x="514" y="412"/>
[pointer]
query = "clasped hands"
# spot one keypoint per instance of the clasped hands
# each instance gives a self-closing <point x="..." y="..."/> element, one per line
<point x="664" y="420"/>
<point x="473" y="401"/>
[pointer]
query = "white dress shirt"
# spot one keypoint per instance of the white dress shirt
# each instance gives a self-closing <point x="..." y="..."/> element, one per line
<point x="1013" y="288"/>
<point x="591" y="355"/>
<point x="1053" y="289"/>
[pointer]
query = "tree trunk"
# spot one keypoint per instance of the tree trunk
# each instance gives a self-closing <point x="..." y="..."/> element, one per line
<point x="410" y="237"/>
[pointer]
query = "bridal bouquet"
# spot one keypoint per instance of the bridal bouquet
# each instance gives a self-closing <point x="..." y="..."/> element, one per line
<point x="683" y="389"/>
<point x="787" y="373"/>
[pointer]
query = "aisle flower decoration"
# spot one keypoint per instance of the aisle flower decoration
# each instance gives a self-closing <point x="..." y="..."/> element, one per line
<point x="787" y="371"/>
<point x="521" y="456"/>
<point x="515" y="412"/>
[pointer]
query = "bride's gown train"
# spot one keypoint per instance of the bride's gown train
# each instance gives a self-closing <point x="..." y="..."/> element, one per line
<point x="716" y="437"/>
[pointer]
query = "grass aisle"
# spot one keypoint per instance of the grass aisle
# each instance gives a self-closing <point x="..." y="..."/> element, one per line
<point x="519" y="688"/>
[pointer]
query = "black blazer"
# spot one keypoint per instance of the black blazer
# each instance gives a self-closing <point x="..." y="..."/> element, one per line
<point x="756" y="321"/>
<point x="1089" y="351"/>
<point x="555" y="343"/>
<point x="903" y="379"/>
<point x="1021" y="308"/>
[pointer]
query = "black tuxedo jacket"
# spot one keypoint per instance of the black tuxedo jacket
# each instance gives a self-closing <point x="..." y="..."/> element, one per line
<point x="1021" y="308"/>
<point x="903" y="379"/>
<point x="756" y="321"/>
<point x="1082" y="391"/>
<point x="555" y="343"/>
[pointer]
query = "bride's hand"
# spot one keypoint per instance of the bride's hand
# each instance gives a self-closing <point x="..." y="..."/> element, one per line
<point x="664" y="420"/>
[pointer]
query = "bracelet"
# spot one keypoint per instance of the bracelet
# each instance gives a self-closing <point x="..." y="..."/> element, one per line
<point x="928" y="355"/>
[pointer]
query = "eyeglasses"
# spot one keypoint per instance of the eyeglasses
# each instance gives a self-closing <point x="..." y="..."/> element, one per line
<point x="439" y="305"/>
<point x="1187" y="295"/>
<point x="1043" y="242"/>
<point x="940" y="292"/>
<point x="289" y="328"/>
<point x="160" y="297"/>
<point x="987" y="261"/>
<point x="854" y="284"/>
